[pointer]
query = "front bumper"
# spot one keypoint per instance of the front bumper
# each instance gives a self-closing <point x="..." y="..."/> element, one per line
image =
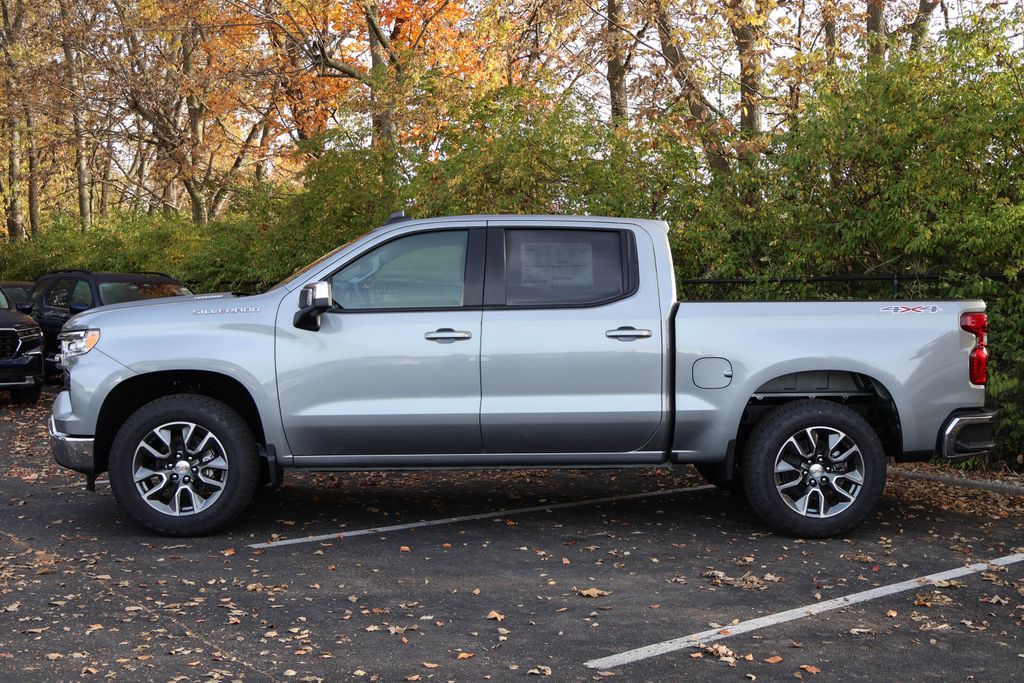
<point x="967" y="435"/>
<point x="73" y="452"/>
<point x="21" y="372"/>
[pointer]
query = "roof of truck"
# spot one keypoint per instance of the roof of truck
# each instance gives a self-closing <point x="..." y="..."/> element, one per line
<point x="534" y="220"/>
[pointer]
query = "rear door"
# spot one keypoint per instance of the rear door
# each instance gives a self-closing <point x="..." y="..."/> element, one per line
<point x="571" y="360"/>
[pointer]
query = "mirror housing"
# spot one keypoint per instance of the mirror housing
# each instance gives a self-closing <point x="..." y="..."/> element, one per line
<point x="24" y="307"/>
<point x="314" y="299"/>
<point x="75" y="309"/>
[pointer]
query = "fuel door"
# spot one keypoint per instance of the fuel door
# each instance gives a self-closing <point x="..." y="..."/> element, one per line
<point x="712" y="373"/>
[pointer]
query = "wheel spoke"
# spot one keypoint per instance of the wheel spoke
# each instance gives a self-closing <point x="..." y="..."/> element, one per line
<point x="209" y="481"/>
<point x="791" y="484"/>
<point x="201" y="445"/>
<point x="812" y="434"/>
<point x="853" y="475"/>
<point x="844" y="493"/>
<point x="196" y="500"/>
<point x="158" y="488"/>
<point x="154" y="452"/>
<point x="804" y="455"/>
<point x="143" y="473"/>
<point x="842" y="458"/>
<point x="783" y="466"/>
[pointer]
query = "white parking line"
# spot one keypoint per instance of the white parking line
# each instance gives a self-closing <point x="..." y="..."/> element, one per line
<point x="483" y="515"/>
<point x="695" y="639"/>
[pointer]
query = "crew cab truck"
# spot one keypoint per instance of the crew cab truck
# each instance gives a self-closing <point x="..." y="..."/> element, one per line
<point x="532" y="341"/>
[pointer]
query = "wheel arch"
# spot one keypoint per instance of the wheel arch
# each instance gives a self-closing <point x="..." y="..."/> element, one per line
<point x="138" y="390"/>
<point x="862" y="391"/>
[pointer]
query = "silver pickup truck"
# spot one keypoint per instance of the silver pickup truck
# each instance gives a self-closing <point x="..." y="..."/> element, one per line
<point x="533" y="341"/>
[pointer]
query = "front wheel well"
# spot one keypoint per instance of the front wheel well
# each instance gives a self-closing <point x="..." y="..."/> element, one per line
<point x="133" y="393"/>
<point x="862" y="393"/>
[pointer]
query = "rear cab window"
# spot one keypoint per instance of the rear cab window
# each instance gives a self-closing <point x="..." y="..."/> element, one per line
<point x="568" y="267"/>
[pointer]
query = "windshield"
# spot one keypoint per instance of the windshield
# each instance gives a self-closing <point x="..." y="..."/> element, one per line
<point x="312" y="265"/>
<point x="16" y="294"/>
<point x="120" y="292"/>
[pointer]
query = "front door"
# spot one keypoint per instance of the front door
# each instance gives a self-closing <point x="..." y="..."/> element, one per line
<point x="572" y="342"/>
<point x="395" y="366"/>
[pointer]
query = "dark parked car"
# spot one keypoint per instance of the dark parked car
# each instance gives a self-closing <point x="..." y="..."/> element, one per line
<point x="16" y="291"/>
<point x="58" y="296"/>
<point x="21" y="354"/>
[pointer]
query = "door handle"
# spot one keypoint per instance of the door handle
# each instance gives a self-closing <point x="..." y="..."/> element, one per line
<point x="447" y="335"/>
<point x="627" y="333"/>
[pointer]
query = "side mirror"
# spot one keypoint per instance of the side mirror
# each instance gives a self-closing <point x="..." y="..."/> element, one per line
<point x="79" y="308"/>
<point x="314" y="299"/>
<point x="24" y="307"/>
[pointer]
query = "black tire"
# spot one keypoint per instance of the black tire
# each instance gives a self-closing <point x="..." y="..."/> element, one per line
<point x="766" y="443"/>
<point x="26" y="395"/>
<point x="712" y="474"/>
<point x="239" y="451"/>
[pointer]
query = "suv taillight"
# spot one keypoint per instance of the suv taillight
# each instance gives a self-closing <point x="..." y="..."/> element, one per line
<point x="977" y="364"/>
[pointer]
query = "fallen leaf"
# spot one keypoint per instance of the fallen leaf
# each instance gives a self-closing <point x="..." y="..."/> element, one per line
<point x="813" y="670"/>
<point x="774" y="659"/>
<point x="592" y="592"/>
<point x="539" y="670"/>
<point x="430" y="665"/>
<point x="466" y="655"/>
<point x="405" y="549"/>
<point x="495" y="615"/>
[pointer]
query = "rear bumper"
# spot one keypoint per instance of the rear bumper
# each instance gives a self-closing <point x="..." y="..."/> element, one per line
<point x="73" y="452"/>
<point x="968" y="434"/>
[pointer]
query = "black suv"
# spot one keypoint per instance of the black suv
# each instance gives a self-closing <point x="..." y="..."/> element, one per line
<point x="58" y="296"/>
<point x="21" y="354"/>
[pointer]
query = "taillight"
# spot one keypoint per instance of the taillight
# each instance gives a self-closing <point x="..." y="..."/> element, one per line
<point x="977" y="364"/>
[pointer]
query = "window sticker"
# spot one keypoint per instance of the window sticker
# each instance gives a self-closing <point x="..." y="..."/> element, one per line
<point x="557" y="264"/>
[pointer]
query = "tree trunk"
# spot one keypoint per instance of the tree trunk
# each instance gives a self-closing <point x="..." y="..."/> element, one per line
<point x="616" y="49"/>
<point x="15" y="219"/>
<point x="828" y="19"/>
<point x="692" y="94"/>
<point x="918" y="28"/>
<point x="197" y="197"/>
<point x="746" y="36"/>
<point x="33" y="174"/>
<point x="383" y="112"/>
<point x="876" y="30"/>
<point x="78" y="128"/>
<point x="104" y="206"/>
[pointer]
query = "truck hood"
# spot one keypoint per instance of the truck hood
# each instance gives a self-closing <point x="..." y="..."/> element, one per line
<point x="15" y="319"/>
<point x="183" y="306"/>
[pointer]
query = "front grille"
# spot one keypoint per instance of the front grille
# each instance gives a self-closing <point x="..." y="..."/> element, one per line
<point x="8" y="343"/>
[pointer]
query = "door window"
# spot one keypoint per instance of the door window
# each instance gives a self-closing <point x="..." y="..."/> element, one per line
<point x="59" y="295"/>
<point x="82" y="294"/>
<point x="564" y="267"/>
<point x="424" y="270"/>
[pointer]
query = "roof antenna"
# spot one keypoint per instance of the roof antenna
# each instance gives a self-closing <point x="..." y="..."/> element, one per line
<point x="397" y="217"/>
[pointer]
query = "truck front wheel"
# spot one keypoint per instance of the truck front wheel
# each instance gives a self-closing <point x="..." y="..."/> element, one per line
<point x="813" y="468"/>
<point x="184" y="465"/>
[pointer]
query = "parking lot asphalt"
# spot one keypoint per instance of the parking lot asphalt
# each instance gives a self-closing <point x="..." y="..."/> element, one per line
<point x="548" y="575"/>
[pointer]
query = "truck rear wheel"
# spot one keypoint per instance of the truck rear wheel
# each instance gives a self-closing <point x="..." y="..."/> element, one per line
<point x="184" y="465"/>
<point x="813" y="468"/>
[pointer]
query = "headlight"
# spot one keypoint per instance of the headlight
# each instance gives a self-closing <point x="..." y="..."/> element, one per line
<point x="77" y="343"/>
